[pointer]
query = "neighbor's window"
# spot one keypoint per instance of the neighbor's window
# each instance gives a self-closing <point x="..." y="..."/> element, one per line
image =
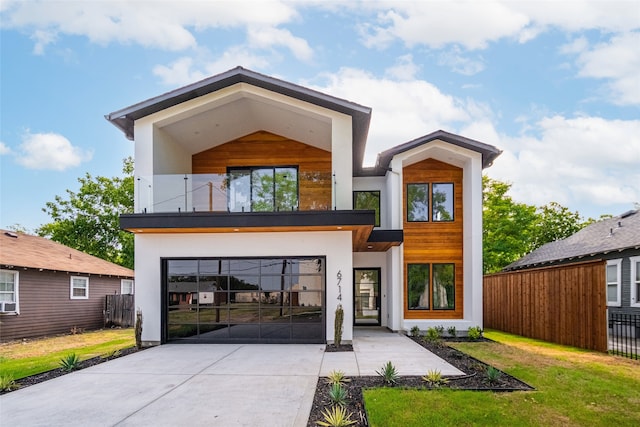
<point x="442" y="202"/>
<point x="613" y="282"/>
<point x="635" y="281"/>
<point x="367" y="200"/>
<point x="8" y="286"/>
<point x="443" y="287"/>
<point x="126" y="287"/>
<point x="418" y="286"/>
<point x="417" y="202"/>
<point x="79" y="287"/>
<point x="263" y="189"/>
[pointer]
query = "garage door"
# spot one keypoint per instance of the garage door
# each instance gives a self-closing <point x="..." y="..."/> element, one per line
<point x="244" y="300"/>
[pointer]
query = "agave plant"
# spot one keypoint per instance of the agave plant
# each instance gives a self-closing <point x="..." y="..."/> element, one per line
<point x="434" y="378"/>
<point x="338" y="394"/>
<point x="337" y="416"/>
<point x="70" y="362"/>
<point x="337" y="377"/>
<point x="388" y="373"/>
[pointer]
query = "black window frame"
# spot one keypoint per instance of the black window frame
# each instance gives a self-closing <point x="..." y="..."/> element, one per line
<point x="433" y="205"/>
<point x="378" y="212"/>
<point x="428" y="201"/>
<point x="431" y="306"/>
<point x="251" y="170"/>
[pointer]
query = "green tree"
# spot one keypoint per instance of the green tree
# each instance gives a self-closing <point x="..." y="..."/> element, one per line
<point x="89" y="220"/>
<point x="555" y="222"/>
<point x="508" y="226"/>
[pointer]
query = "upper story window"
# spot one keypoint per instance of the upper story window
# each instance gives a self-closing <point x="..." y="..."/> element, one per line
<point x="367" y="200"/>
<point x="9" y="290"/>
<point x="79" y="287"/>
<point x="440" y="196"/>
<point x="126" y="287"/>
<point x="263" y="189"/>
<point x="614" y="282"/>
<point x="417" y="202"/>
<point x="442" y="201"/>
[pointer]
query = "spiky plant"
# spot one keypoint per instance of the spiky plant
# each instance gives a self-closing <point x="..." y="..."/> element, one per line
<point x="337" y="416"/>
<point x="337" y="377"/>
<point x="70" y="362"/>
<point x="435" y="378"/>
<point x="389" y="373"/>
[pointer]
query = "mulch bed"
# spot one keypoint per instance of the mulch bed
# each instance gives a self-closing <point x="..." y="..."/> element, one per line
<point x="475" y="379"/>
<point x="54" y="373"/>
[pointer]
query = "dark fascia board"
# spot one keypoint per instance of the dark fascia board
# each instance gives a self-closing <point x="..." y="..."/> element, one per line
<point x="489" y="152"/>
<point x="381" y="236"/>
<point x="124" y="118"/>
<point x="247" y="220"/>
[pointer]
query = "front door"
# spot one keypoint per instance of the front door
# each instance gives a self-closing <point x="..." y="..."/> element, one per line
<point x="366" y="283"/>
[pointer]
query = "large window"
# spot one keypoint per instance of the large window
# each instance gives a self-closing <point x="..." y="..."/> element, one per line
<point x="79" y="287"/>
<point x="263" y="189"/>
<point x="442" y="202"/>
<point x="245" y="299"/>
<point x="435" y="280"/>
<point x="440" y="198"/>
<point x="367" y="200"/>
<point x="635" y="281"/>
<point x="417" y="202"/>
<point x="9" y="286"/>
<point x="613" y="282"/>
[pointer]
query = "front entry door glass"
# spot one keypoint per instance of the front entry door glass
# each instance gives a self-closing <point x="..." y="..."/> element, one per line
<point x="367" y="296"/>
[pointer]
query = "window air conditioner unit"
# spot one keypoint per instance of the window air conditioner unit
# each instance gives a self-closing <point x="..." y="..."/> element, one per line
<point x="7" y="307"/>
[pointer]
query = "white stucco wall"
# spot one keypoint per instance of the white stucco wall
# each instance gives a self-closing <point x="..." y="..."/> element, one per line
<point x="375" y="183"/>
<point x="335" y="246"/>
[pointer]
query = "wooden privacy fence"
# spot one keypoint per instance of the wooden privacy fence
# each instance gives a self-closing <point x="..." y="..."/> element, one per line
<point x="563" y="304"/>
<point x="119" y="310"/>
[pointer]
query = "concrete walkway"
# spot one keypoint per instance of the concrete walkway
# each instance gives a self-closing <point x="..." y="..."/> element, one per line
<point x="208" y="384"/>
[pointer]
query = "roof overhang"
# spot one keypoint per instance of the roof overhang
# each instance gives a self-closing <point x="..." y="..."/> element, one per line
<point x="489" y="152"/>
<point x="360" y="223"/>
<point x="124" y="119"/>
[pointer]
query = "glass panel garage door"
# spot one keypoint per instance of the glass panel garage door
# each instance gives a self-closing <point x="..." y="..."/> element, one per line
<point x="268" y="300"/>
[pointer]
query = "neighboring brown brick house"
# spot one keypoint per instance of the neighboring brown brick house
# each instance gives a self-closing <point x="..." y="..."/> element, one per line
<point x="48" y="288"/>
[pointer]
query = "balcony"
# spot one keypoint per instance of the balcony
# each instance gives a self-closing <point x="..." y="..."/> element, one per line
<point x="284" y="190"/>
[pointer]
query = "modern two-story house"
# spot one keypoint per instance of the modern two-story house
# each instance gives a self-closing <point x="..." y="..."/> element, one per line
<point x="254" y="217"/>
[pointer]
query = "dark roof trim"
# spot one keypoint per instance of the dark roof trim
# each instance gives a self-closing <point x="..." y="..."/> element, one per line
<point x="124" y="118"/>
<point x="489" y="152"/>
<point x="246" y="220"/>
<point x="382" y="236"/>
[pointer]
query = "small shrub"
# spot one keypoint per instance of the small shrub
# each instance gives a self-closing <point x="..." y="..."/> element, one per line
<point x="337" y="377"/>
<point x="432" y="335"/>
<point x="76" y="331"/>
<point x="435" y="378"/>
<point x="451" y="330"/>
<point x="415" y="331"/>
<point x="70" y="362"/>
<point x="493" y="375"/>
<point x="337" y="326"/>
<point x="7" y="383"/>
<point x="388" y="373"/>
<point x="474" y="333"/>
<point x="440" y="330"/>
<point x="337" y="416"/>
<point x="338" y="394"/>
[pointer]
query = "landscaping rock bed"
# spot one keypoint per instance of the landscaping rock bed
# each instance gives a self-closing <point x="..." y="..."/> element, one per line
<point x="475" y="379"/>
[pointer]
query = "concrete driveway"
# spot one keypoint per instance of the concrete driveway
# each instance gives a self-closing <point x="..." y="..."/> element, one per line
<point x="207" y="384"/>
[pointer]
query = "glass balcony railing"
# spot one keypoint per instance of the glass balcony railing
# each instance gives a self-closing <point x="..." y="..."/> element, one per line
<point x="284" y="190"/>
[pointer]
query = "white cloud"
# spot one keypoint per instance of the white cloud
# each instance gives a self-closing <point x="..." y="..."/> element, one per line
<point x="178" y="73"/>
<point x="588" y="161"/>
<point x="617" y="60"/>
<point x="49" y="151"/>
<point x="402" y="109"/>
<point x="4" y="149"/>
<point x="459" y="63"/>
<point x="167" y="25"/>
<point x="267" y="37"/>
<point x="404" y="68"/>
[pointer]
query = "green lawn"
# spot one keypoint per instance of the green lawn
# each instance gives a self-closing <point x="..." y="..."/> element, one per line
<point x="573" y="388"/>
<point x="21" y="359"/>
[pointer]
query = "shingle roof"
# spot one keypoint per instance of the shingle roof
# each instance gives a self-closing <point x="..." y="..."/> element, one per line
<point x="24" y="250"/>
<point x="613" y="234"/>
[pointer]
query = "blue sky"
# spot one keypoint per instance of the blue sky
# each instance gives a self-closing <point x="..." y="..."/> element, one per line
<point x="554" y="84"/>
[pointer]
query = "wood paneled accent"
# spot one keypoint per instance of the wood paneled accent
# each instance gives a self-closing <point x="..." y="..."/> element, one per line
<point x="46" y="309"/>
<point x="562" y="304"/>
<point x="266" y="149"/>
<point x="434" y="242"/>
